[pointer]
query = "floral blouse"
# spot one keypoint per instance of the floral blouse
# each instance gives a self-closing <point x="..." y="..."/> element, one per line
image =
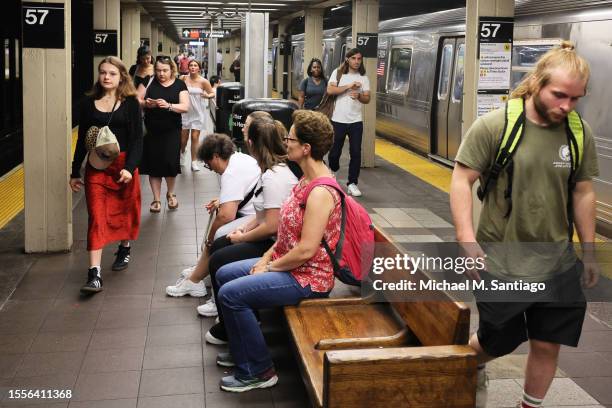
<point x="318" y="271"/>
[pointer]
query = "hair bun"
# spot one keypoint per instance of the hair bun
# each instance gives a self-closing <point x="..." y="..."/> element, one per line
<point x="567" y="45"/>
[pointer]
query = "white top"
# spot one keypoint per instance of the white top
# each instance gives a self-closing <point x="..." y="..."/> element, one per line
<point x="219" y="57"/>
<point x="347" y="109"/>
<point x="277" y="184"/>
<point x="240" y="176"/>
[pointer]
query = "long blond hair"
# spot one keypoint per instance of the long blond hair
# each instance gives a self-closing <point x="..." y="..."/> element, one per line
<point x="126" y="86"/>
<point x="564" y="56"/>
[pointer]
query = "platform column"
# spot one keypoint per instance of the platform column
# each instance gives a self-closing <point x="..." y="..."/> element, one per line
<point x="365" y="20"/>
<point x="106" y="16"/>
<point x="313" y="35"/>
<point x="145" y="28"/>
<point x="475" y="9"/>
<point x="154" y="40"/>
<point x="47" y="138"/>
<point x="213" y="45"/>
<point x="254" y="54"/>
<point x="130" y="33"/>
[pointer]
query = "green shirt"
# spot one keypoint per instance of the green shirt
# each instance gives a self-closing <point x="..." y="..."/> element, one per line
<point x="542" y="167"/>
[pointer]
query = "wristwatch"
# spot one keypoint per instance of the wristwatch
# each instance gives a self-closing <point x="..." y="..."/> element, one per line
<point x="170" y="107"/>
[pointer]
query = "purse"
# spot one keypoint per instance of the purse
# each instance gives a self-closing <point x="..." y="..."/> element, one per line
<point x="328" y="103"/>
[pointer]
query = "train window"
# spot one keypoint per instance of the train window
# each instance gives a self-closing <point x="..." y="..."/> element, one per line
<point x="445" y="66"/>
<point x="399" y="70"/>
<point x="458" y="80"/>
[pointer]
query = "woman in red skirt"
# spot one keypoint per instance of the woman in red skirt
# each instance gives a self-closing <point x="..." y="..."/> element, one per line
<point x="112" y="186"/>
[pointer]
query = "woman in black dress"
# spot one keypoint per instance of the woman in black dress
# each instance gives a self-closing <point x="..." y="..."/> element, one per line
<point x="163" y="101"/>
<point x="142" y="71"/>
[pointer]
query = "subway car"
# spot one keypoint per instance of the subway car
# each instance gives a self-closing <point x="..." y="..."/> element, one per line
<point x="420" y="75"/>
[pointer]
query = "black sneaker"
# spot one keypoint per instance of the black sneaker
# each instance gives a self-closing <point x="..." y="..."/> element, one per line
<point x="217" y="335"/>
<point x="122" y="259"/>
<point x="94" y="282"/>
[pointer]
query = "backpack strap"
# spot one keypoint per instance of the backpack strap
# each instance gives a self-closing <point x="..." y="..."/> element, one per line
<point x="247" y="197"/>
<point x="574" y="129"/>
<point x="511" y="138"/>
<point x="331" y="182"/>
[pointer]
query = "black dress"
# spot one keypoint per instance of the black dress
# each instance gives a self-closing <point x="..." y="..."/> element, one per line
<point x="162" y="143"/>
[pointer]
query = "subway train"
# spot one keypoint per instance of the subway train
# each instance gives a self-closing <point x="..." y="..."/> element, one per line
<point x="420" y="75"/>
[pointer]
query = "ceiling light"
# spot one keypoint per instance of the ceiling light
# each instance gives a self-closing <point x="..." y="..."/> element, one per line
<point x="256" y="4"/>
<point x="338" y="7"/>
<point x="192" y="2"/>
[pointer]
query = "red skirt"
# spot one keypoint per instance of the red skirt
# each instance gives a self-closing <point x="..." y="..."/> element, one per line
<point x="114" y="209"/>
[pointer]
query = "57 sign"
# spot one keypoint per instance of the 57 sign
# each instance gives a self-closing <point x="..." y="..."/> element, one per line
<point x="105" y="42"/>
<point x="367" y="44"/>
<point x="495" y="29"/>
<point x="43" y="25"/>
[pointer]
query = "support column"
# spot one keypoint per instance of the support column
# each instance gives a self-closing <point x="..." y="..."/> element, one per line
<point x="145" y="27"/>
<point x="106" y="16"/>
<point x="47" y="138"/>
<point x="130" y="32"/>
<point x="280" y="59"/>
<point x="313" y="37"/>
<point x="365" y="20"/>
<point x="270" y="61"/>
<point x="253" y="54"/>
<point x="475" y="9"/>
<point x="154" y="40"/>
<point x="213" y="44"/>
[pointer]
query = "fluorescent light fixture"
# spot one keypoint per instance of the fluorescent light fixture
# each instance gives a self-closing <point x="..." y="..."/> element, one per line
<point x="192" y="2"/>
<point x="257" y="4"/>
<point x="338" y="7"/>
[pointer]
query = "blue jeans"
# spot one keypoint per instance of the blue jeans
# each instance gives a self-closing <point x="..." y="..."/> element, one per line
<point x="355" y="134"/>
<point x="240" y="293"/>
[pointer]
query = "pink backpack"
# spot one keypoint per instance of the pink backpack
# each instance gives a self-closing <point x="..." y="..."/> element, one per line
<point x="355" y="250"/>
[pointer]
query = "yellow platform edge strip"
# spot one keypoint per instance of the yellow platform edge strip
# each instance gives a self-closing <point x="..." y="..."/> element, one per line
<point x="12" y="189"/>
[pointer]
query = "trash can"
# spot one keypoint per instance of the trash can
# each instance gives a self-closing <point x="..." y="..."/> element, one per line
<point x="227" y="95"/>
<point x="280" y="109"/>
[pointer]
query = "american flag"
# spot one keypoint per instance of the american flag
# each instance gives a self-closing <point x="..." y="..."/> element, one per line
<point x="380" y="71"/>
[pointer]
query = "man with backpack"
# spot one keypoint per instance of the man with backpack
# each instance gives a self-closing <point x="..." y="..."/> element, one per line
<point x="535" y="159"/>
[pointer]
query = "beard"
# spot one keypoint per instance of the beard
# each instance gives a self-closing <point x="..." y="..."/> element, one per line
<point x="545" y="113"/>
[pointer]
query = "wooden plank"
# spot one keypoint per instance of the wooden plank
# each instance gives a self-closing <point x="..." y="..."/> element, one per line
<point x="423" y="377"/>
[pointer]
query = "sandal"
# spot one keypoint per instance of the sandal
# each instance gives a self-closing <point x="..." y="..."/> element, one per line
<point x="155" y="206"/>
<point x="172" y="201"/>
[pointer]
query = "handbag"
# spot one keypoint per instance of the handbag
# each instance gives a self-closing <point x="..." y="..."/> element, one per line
<point x="102" y="144"/>
<point x="328" y="103"/>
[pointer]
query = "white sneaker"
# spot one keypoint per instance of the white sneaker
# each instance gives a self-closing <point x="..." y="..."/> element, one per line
<point x="194" y="166"/>
<point x="187" y="287"/>
<point x="185" y="273"/>
<point x="482" y="382"/>
<point x="354" y="190"/>
<point x="208" y="309"/>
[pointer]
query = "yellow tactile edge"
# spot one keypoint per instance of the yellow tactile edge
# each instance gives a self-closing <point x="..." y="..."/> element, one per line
<point x="12" y="190"/>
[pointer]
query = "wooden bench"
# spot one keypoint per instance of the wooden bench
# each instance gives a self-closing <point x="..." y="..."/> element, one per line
<point x="354" y="353"/>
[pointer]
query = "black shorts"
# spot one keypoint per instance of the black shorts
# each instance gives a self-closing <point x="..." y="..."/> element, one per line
<point x="504" y="326"/>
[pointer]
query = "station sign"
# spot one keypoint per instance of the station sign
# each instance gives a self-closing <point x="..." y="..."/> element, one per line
<point x="368" y="44"/>
<point x="495" y="37"/>
<point x="205" y="33"/>
<point x="43" y="25"/>
<point x="105" y="42"/>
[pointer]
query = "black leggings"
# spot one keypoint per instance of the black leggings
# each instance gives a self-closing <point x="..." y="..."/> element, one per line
<point x="224" y="252"/>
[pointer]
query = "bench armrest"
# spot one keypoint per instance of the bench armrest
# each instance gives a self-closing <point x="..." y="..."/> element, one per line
<point x="347" y="301"/>
<point x="406" y="376"/>
<point x="399" y="339"/>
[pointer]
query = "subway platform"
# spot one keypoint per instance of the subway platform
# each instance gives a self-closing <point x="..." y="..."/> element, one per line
<point x="132" y="346"/>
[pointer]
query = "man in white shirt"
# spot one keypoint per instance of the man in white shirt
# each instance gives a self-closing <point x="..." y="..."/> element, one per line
<point x="219" y="62"/>
<point x="353" y="91"/>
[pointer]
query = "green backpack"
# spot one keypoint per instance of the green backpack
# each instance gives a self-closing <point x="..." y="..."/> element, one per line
<point x="511" y="138"/>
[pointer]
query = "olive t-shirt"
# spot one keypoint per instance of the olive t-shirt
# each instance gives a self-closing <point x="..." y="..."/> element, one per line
<point x="542" y="166"/>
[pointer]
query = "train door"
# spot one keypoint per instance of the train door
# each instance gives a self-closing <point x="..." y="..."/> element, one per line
<point x="443" y="97"/>
<point x="455" y="106"/>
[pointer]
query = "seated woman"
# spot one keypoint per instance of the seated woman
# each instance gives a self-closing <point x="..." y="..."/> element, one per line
<point x="239" y="176"/>
<point x="295" y="268"/>
<point x="264" y="138"/>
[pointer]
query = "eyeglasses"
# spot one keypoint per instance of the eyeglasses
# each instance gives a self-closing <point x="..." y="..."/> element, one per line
<point x="287" y="138"/>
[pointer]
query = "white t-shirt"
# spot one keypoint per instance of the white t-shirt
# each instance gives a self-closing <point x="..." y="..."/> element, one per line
<point x="347" y="109"/>
<point x="277" y="184"/>
<point x="219" y="57"/>
<point x="240" y="176"/>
